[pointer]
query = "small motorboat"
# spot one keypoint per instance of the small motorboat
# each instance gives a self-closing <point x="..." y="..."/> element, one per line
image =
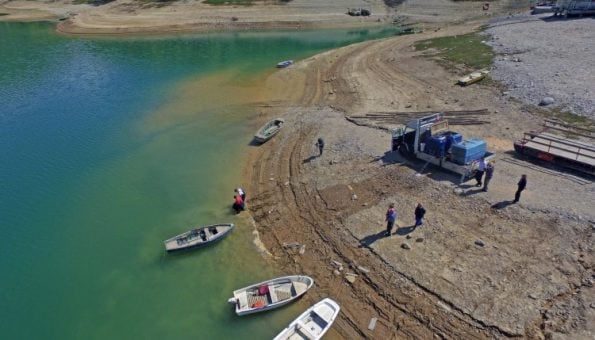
<point x="284" y="64"/>
<point x="270" y="294"/>
<point x="313" y="323"/>
<point x="473" y="77"/>
<point x="198" y="237"/>
<point x="268" y="130"/>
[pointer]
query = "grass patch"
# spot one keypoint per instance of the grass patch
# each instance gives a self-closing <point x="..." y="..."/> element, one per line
<point x="92" y="2"/>
<point x="242" y="2"/>
<point x="229" y="2"/>
<point x="571" y="118"/>
<point x="465" y="49"/>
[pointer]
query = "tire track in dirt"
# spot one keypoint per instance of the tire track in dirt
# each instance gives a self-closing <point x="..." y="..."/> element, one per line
<point x="405" y="311"/>
<point x="404" y="307"/>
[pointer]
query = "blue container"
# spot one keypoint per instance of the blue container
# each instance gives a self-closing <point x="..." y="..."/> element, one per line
<point x="436" y="146"/>
<point x="468" y="151"/>
<point x="452" y="138"/>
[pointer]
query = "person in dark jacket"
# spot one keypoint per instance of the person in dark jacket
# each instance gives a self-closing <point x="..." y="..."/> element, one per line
<point x="521" y="185"/>
<point x="480" y="170"/>
<point x="320" y="145"/>
<point x="419" y="214"/>
<point x="391" y="217"/>
<point x="488" y="176"/>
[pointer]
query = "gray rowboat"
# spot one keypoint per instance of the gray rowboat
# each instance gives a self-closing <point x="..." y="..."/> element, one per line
<point x="268" y="130"/>
<point x="198" y="237"/>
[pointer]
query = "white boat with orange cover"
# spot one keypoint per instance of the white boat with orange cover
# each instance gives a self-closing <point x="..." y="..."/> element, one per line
<point x="270" y="294"/>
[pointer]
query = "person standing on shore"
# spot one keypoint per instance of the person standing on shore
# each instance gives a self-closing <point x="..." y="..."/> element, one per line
<point x="419" y="214"/>
<point x="320" y="145"/>
<point x="391" y="217"/>
<point x="489" y="175"/>
<point x="521" y="185"/>
<point x="241" y="192"/>
<point x="480" y="170"/>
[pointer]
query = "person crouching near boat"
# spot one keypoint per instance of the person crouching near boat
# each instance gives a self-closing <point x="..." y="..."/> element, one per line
<point x="238" y="204"/>
<point x="241" y="192"/>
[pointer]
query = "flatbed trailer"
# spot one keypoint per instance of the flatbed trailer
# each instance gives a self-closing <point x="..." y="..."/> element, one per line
<point x="574" y="7"/>
<point x="566" y="152"/>
<point x="466" y="171"/>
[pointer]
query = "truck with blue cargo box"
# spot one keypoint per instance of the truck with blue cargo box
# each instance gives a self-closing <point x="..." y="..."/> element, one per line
<point x="429" y="139"/>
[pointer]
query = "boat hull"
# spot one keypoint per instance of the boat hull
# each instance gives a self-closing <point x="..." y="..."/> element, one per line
<point x="278" y="292"/>
<point x="313" y="323"/>
<point x="172" y="246"/>
<point x="269" y="130"/>
<point x="285" y="64"/>
<point x="473" y="78"/>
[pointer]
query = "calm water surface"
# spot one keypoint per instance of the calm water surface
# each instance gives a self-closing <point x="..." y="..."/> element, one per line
<point x="110" y="146"/>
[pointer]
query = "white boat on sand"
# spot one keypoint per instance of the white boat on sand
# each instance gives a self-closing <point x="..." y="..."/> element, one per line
<point x="313" y="323"/>
<point x="270" y="294"/>
<point x="473" y="77"/>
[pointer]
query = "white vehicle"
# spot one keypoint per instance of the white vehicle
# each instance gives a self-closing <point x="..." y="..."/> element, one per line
<point x="409" y="141"/>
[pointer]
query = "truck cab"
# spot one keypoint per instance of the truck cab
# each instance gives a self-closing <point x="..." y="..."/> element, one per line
<point x="408" y="140"/>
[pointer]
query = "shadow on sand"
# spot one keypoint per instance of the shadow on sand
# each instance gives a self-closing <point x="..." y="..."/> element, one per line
<point x="501" y="205"/>
<point x="310" y="159"/>
<point x="254" y="142"/>
<point x="405" y="230"/>
<point x="368" y="240"/>
<point x="473" y="192"/>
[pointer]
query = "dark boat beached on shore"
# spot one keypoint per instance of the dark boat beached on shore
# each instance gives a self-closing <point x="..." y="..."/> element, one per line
<point x="198" y="237"/>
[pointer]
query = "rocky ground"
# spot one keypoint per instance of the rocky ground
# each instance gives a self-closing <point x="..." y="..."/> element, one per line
<point x="542" y="57"/>
<point x="480" y="267"/>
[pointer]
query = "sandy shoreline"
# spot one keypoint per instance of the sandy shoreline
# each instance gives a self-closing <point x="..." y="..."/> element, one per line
<point x="533" y="279"/>
<point x="131" y="17"/>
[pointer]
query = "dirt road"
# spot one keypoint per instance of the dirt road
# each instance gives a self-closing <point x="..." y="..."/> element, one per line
<point x="472" y="271"/>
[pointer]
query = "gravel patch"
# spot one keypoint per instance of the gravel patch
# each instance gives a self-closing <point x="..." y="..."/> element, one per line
<point x="538" y="57"/>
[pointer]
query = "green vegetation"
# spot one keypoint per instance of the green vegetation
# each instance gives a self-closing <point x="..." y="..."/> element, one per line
<point x="465" y="49"/>
<point x="92" y="2"/>
<point x="569" y="118"/>
<point x="229" y="2"/>
<point x="241" y="2"/>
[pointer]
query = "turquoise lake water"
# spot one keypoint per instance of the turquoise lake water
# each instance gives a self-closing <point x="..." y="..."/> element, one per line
<point x="109" y="146"/>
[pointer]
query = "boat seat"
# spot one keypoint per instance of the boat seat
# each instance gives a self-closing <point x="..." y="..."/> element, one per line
<point x="273" y="294"/>
<point x="304" y="329"/>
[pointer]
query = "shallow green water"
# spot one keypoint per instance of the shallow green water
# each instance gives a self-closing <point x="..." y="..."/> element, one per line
<point x="110" y="146"/>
